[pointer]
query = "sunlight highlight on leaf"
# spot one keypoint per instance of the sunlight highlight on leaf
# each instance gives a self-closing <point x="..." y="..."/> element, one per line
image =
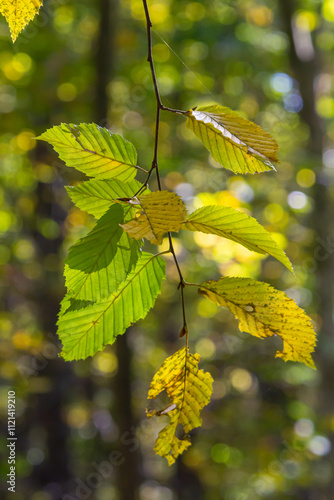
<point x="234" y="142"/>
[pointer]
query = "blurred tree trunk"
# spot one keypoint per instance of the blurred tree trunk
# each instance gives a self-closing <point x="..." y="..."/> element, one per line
<point x="128" y="475"/>
<point x="46" y="409"/>
<point x="187" y="484"/>
<point x="306" y="70"/>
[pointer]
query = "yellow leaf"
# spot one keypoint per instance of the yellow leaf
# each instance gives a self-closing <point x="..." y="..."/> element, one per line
<point x="19" y="13"/>
<point x="189" y="390"/>
<point x="263" y="312"/>
<point x="161" y="212"/>
<point x="236" y="143"/>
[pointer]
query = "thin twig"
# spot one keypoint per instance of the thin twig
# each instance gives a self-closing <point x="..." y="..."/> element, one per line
<point x="155" y="166"/>
<point x="150" y="60"/>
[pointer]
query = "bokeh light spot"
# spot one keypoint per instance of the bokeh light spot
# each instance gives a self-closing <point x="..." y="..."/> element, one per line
<point x="241" y="379"/>
<point x="67" y="92"/>
<point x="281" y="83"/>
<point x="205" y="348"/>
<point x="304" y="427"/>
<point x="306" y="177"/>
<point x="319" y="445"/>
<point x="297" y="200"/>
<point x="105" y="363"/>
<point x="220" y="453"/>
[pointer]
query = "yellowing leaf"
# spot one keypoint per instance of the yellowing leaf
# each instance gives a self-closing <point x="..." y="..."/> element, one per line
<point x="189" y="390"/>
<point x="19" y="13"/>
<point x="236" y="226"/>
<point x="263" y="312"/>
<point x="234" y="142"/>
<point x="161" y="212"/>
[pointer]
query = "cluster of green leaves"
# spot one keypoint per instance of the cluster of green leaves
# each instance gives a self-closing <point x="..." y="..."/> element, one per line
<point x="112" y="283"/>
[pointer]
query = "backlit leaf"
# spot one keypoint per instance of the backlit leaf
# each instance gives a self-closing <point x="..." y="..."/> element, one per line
<point x="93" y="150"/>
<point x="234" y="142"/>
<point x="263" y="312"/>
<point x="160" y="213"/>
<point x="98" y="263"/>
<point x="189" y="390"/>
<point x="96" y="196"/>
<point x="236" y="226"/>
<point x="85" y="331"/>
<point x="19" y="13"/>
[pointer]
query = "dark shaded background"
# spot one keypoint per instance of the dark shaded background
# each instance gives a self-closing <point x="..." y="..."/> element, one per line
<point x="268" y="432"/>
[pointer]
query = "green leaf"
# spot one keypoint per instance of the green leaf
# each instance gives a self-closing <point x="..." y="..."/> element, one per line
<point x="234" y="142"/>
<point x="95" y="197"/>
<point x="98" y="263"/>
<point x="263" y="312"/>
<point x="236" y="226"/>
<point x="84" y="332"/>
<point x="93" y="150"/>
<point x="161" y="212"/>
<point x="19" y="13"/>
<point x="189" y="390"/>
<point x="69" y="303"/>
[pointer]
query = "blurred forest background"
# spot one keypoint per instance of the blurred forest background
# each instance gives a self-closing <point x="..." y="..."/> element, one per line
<point x="268" y="432"/>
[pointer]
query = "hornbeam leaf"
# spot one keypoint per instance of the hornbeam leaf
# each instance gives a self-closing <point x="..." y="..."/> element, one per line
<point x="19" y="13"/>
<point x="234" y="142"/>
<point x="189" y="390"/>
<point x="263" y="312"/>
<point x="236" y="226"/>
<point x="161" y="212"/>
<point x="98" y="263"/>
<point x="70" y="304"/>
<point x="85" y="331"/>
<point x="93" y="150"/>
<point x="96" y="196"/>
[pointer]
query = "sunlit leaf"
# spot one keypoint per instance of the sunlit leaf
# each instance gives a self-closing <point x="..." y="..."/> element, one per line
<point x="85" y="331"/>
<point x="93" y="150"/>
<point x="234" y="142"/>
<point x="160" y="213"/>
<point x="69" y="303"/>
<point x="189" y="390"/>
<point x="19" y="13"/>
<point x="236" y="226"/>
<point x="96" y="196"/>
<point x="98" y="263"/>
<point x="263" y="312"/>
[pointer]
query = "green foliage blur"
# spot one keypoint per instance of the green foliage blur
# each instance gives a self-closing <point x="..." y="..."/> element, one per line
<point x="267" y="432"/>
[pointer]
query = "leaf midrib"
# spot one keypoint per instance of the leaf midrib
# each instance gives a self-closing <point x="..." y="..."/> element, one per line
<point x="228" y="236"/>
<point x="119" y="162"/>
